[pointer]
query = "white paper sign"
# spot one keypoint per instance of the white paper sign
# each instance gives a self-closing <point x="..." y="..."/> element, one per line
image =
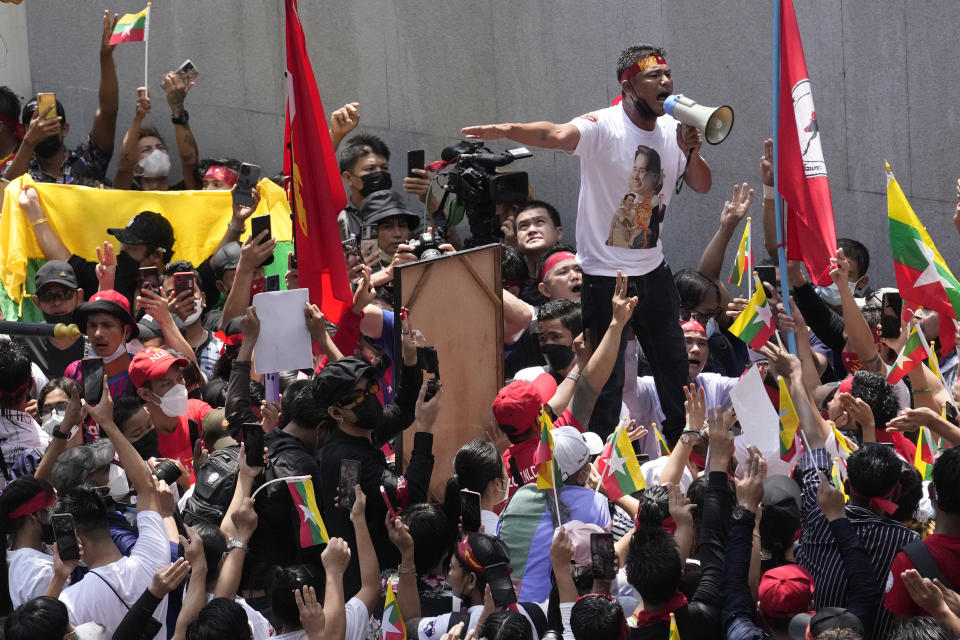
<point x="284" y="341"/>
<point x="758" y="418"/>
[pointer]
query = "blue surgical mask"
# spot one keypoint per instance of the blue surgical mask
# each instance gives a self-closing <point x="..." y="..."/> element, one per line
<point x="712" y="328"/>
<point x="831" y="294"/>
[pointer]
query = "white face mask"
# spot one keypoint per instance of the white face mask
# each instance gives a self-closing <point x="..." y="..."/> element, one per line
<point x="121" y="350"/>
<point x="54" y="418"/>
<point x="119" y="486"/>
<point x="831" y="294"/>
<point x="155" y="165"/>
<point x="193" y="317"/>
<point x="135" y="346"/>
<point x="173" y="403"/>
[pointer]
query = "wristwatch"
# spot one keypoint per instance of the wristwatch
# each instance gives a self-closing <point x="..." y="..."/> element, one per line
<point x="573" y="376"/>
<point x="183" y="119"/>
<point x="739" y="512"/>
<point x="56" y="433"/>
<point x="236" y="544"/>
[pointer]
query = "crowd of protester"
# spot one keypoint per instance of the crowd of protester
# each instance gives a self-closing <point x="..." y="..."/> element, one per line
<point x="722" y="542"/>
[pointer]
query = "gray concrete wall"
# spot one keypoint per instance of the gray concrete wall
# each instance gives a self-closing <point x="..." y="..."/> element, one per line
<point x="884" y="76"/>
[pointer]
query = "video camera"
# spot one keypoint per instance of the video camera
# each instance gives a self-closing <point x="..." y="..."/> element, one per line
<point x="479" y="188"/>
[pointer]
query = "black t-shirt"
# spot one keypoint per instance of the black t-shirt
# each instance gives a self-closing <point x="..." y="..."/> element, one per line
<point x="52" y="361"/>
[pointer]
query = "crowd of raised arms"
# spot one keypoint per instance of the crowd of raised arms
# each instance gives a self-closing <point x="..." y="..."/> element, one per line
<point x="616" y="494"/>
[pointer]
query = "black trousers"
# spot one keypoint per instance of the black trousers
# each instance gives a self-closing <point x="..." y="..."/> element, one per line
<point x="656" y="321"/>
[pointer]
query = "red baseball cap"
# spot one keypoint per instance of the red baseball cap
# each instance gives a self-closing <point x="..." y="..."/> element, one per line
<point x="518" y="404"/>
<point x="111" y="302"/>
<point x="152" y="363"/>
<point x="785" y="591"/>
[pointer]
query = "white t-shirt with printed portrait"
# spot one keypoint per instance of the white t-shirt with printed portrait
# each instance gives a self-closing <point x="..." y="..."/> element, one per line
<point x="623" y="198"/>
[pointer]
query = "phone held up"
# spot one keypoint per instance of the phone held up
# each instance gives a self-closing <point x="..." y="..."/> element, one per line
<point x="247" y="178"/>
<point x="65" y="533"/>
<point x="253" y="444"/>
<point x="470" y="510"/>
<point x="92" y="371"/>
<point x="349" y="477"/>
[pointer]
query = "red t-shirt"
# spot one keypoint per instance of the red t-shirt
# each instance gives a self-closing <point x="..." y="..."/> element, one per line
<point x="522" y="453"/>
<point x="945" y="551"/>
<point x="176" y="445"/>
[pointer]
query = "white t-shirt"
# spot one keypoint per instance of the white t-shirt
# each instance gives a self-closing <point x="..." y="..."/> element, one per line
<point x="429" y="628"/>
<point x="92" y="600"/>
<point x="620" y="212"/>
<point x="19" y="432"/>
<point x="261" y="626"/>
<point x="29" y="574"/>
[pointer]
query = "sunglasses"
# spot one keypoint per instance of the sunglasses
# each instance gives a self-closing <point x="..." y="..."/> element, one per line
<point x="56" y="295"/>
<point x="699" y="316"/>
<point x="359" y="396"/>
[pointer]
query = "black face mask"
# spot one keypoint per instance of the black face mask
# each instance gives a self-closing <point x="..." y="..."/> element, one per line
<point x="148" y="446"/>
<point x="63" y="318"/>
<point x="644" y="109"/>
<point x="48" y="146"/>
<point x="368" y="412"/>
<point x="376" y="181"/>
<point x="558" y="356"/>
<point x="46" y="533"/>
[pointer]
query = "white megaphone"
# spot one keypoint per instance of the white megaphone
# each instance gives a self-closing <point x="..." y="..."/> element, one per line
<point x="715" y="122"/>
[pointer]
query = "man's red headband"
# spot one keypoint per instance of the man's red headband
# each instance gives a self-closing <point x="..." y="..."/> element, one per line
<point x="641" y="65"/>
<point x="221" y="173"/>
<point x="553" y="261"/>
<point x="13" y="124"/>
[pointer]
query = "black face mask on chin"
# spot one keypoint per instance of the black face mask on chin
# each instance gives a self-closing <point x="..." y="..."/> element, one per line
<point x="63" y="318"/>
<point x="48" y="146"/>
<point x="148" y="446"/>
<point x="644" y="109"/>
<point x="376" y="181"/>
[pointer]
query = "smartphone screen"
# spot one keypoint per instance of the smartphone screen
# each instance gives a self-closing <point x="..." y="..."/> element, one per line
<point x="183" y="281"/>
<point x="188" y="71"/>
<point x="247" y="178"/>
<point x="501" y="587"/>
<point x="272" y="283"/>
<point x="414" y="161"/>
<point x="253" y="443"/>
<point x="66" y="536"/>
<point x="44" y="102"/>
<point x="602" y="554"/>
<point x="386" y="501"/>
<point x="892" y="306"/>
<point x="349" y="477"/>
<point x="470" y="510"/>
<point x="149" y="279"/>
<point x="768" y="274"/>
<point x="369" y="245"/>
<point x="92" y="371"/>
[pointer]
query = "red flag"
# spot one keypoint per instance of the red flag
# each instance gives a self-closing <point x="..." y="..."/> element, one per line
<point x="317" y="194"/>
<point x="801" y="171"/>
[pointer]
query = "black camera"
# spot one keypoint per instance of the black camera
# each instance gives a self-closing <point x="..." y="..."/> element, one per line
<point x="428" y="361"/>
<point x="426" y="246"/>
<point x="167" y="471"/>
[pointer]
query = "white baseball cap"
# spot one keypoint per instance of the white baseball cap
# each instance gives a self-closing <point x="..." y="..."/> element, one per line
<point x="573" y="449"/>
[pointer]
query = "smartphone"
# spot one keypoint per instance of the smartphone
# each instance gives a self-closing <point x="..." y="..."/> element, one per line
<point x="349" y="477"/>
<point x="149" y="279"/>
<point x="253" y="443"/>
<point x="891" y="307"/>
<point x="92" y="371"/>
<point x="271" y="283"/>
<point x="602" y="555"/>
<point x="470" y="510"/>
<point x="350" y="245"/>
<point x="44" y="102"/>
<point x="414" y="161"/>
<point x="66" y="536"/>
<point x="257" y="285"/>
<point x="369" y="245"/>
<point x="501" y="587"/>
<point x="767" y="273"/>
<point x="259" y="224"/>
<point x="188" y="71"/>
<point x="247" y="178"/>
<point x="183" y="281"/>
<point x="386" y="501"/>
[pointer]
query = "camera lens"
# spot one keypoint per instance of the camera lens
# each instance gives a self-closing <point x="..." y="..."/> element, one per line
<point x="167" y="471"/>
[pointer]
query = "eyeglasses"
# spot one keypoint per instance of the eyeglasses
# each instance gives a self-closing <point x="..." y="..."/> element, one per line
<point x="700" y="316"/>
<point x="56" y="295"/>
<point x="360" y="396"/>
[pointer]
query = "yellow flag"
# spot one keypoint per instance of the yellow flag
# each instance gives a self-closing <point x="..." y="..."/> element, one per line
<point x="674" y="631"/>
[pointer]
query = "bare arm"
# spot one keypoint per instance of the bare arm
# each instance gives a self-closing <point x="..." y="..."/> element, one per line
<point x="104" y="128"/>
<point x="176" y="91"/>
<point x="239" y="523"/>
<point x="366" y="554"/>
<point x="71" y="418"/>
<point x="252" y="254"/>
<point x="769" y="206"/>
<point x="858" y="331"/>
<point x="517" y="316"/>
<point x="196" y="594"/>
<point x="545" y="135"/>
<point x="408" y="597"/>
<point x="159" y="309"/>
<point x="335" y="558"/>
<point x="50" y="243"/>
<point x="813" y="424"/>
<point x="343" y="121"/>
<point x="711" y="262"/>
<point x="696" y="408"/>
<point x="129" y="152"/>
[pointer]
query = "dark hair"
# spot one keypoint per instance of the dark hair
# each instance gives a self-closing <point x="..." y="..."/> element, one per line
<point x="27" y="114"/>
<point x="918" y="628"/>
<point x="566" y="311"/>
<point x="182" y="266"/>
<point x="546" y="206"/>
<point x="283" y="581"/>
<point x="286" y="399"/>
<point x="512" y="266"/>
<point x="124" y="408"/>
<point x="67" y="385"/>
<point x="598" y="616"/>
<point x="653" y="164"/>
<point x="873" y="469"/>
<point x="874" y="389"/>
<point x="220" y="618"/>
<point x="840" y="634"/>
<point x="358" y="146"/>
<point x="41" y="617"/>
<point x="653" y="565"/>
<point x="693" y="287"/>
<point x="946" y="479"/>
<point x="778" y="530"/>
<point x="506" y="625"/>
<point x="475" y="466"/>
<point x="856" y="251"/>
<point x="15" y="381"/>
<point x="230" y="163"/>
<point x="872" y="313"/>
<point x="654" y="506"/>
<point x="488" y="550"/>
<point x="150" y="132"/>
<point x="430" y="533"/>
<point x="304" y="410"/>
<point x="87" y="508"/>
<point x="697" y="493"/>
<point x="214" y="546"/>
<point x="911" y="492"/>
<point x="9" y="103"/>
<point x="14" y="495"/>
<point x="633" y="54"/>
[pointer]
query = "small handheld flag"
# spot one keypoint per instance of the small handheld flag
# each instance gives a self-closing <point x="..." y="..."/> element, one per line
<point x="546" y="464"/>
<point x="312" y="529"/>
<point x="836" y="480"/>
<point x="619" y="468"/>
<point x="743" y="263"/>
<point x="393" y="626"/>
<point x="132" y="27"/>
<point x="789" y="422"/>
<point x="926" y="454"/>
<point x="664" y="449"/>
<point x="674" y="631"/>
<point x="755" y="324"/>
<point x="909" y="357"/>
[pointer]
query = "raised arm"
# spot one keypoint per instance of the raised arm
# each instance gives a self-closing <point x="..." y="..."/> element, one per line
<point x="335" y="559"/>
<point x="858" y="331"/>
<point x="408" y="597"/>
<point x="252" y="254"/>
<point x="366" y="554"/>
<point x="814" y="426"/>
<point x="39" y="129"/>
<point x="129" y="153"/>
<point x="58" y="444"/>
<point x="696" y="409"/>
<point x="343" y="121"/>
<point x="104" y="129"/>
<point x="545" y="135"/>
<point x="176" y="90"/>
<point x="517" y="316"/>
<point x="50" y="243"/>
<point x="711" y="261"/>
<point x="239" y="523"/>
<point x="159" y="309"/>
<point x="769" y="206"/>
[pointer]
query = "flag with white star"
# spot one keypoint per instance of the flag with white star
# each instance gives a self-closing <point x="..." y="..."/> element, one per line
<point x="312" y="529"/>
<point x="132" y="27"/>
<point x="755" y="324"/>
<point x="909" y="357"/>
<point x="393" y="627"/>
<point x="618" y="466"/>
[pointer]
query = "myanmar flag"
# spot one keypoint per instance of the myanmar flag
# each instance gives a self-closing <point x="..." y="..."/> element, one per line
<point x="923" y="277"/>
<point x="619" y="467"/>
<point x="547" y="471"/>
<point x="674" y="631"/>
<point x="312" y="529"/>
<point x="910" y="356"/>
<point x="926" y="454"/>
<point x="755" y="325"/>
<point x="132" y="27"/>
<point x="789" y="422"/>
<point x="835" y="478"/>
<point x="744" y="260"/>
<point x="664" y="449"/>
<point x="392" y="627"/>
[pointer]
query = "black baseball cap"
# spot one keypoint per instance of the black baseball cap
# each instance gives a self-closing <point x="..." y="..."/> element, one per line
<point x="147" y="227"/>
<point x="782" y="492"/>
<point x="338" y="378"/>
<point x="227" y="257"/>
<point x="381" y="205"/>
<point x="56" y="271"/>
<point x="824" y="619"/>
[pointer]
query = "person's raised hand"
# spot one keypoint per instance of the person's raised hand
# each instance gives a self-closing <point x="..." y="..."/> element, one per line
<point x="193" y="549"/>
<point x="509" y="232"/>
<point x="635" y="431"/>
<point x="418" y="183"/>
<point x="243" y="468"/>
<point x="292" y="276"/>
<point x="736" y="207"/>
<point x="404" y="255"/>
<point x="245" y="519"/>
<point x="109" y="24"/>
<point x="695" y="406"/>
<point x="782" y="361"/>
<point x="721" y="440"/>
<point x="316" y="322"/>
<point x="859" y="410"/>
<point x="168" y="578"/>
<point x="924" y="592"/>
<point x="200" y="455"/>
<point x="102" y="412"/>
<point x="454" y="632"/>
<point x="345" y="119"/>
<point x="840" y="270"/>
<point x="750" y="487"/>
<point x="485" y="132"/>
<point x="689" y="139"/>
<point x="399" y="534"/>
<point x="358" y="512"/>
<point x="623" y="306"/>
<point x="336" y="556"/>
<point x="912" y="419"/>
<point x="167" y="503"/>
<point x="271" y="416"/>
<point x="176" y="87"/>
<point x="143" y="104"/>
<point x="410" y="338"/>
<point x="426" y="412"/>
<point x="156" y="305"/>
<point x="681" y="509"/>
<point x="829" y="498"/>
<point x="950" y="597"/>
<point x="255" y="250"/>
<point x="311" y="611"/>
<point x="76" y="410"/>
<point x="582" y="349"/>
<point x="736" y="306"/>
<point x="561" y="550"/>
<point x="41" y="128"/>
<point x="364" y="294"/>
<point x="182" y="304"/>
<point x="766" y="163"/>
<point x="106" y="269"/>
<point x="63" y="568"/>
<point x="251" y="325"/>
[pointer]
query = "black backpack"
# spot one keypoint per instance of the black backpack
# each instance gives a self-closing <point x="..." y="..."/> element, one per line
<point x="213" y="490"/>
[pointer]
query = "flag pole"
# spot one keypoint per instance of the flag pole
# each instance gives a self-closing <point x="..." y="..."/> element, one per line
<point x="749" y="259"/>
<point x="556" y="500"/>
<point x="778" y="201"/>
<point x="146" y="46"/>
<point x="275" y="480"/>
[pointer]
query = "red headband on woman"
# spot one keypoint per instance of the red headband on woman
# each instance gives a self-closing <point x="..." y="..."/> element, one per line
<point x="13" y="124"/>
<point x="221" y="173"/>
<point x="40" y="501"/>
<point x="465" y="555"/>
<point x="553" y="261"/>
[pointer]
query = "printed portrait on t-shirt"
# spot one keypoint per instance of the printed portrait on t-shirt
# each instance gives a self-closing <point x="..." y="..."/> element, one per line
<point x="636" y="222"/>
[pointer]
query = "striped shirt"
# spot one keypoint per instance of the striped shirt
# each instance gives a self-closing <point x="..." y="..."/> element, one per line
<point x="820" y="555"/>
